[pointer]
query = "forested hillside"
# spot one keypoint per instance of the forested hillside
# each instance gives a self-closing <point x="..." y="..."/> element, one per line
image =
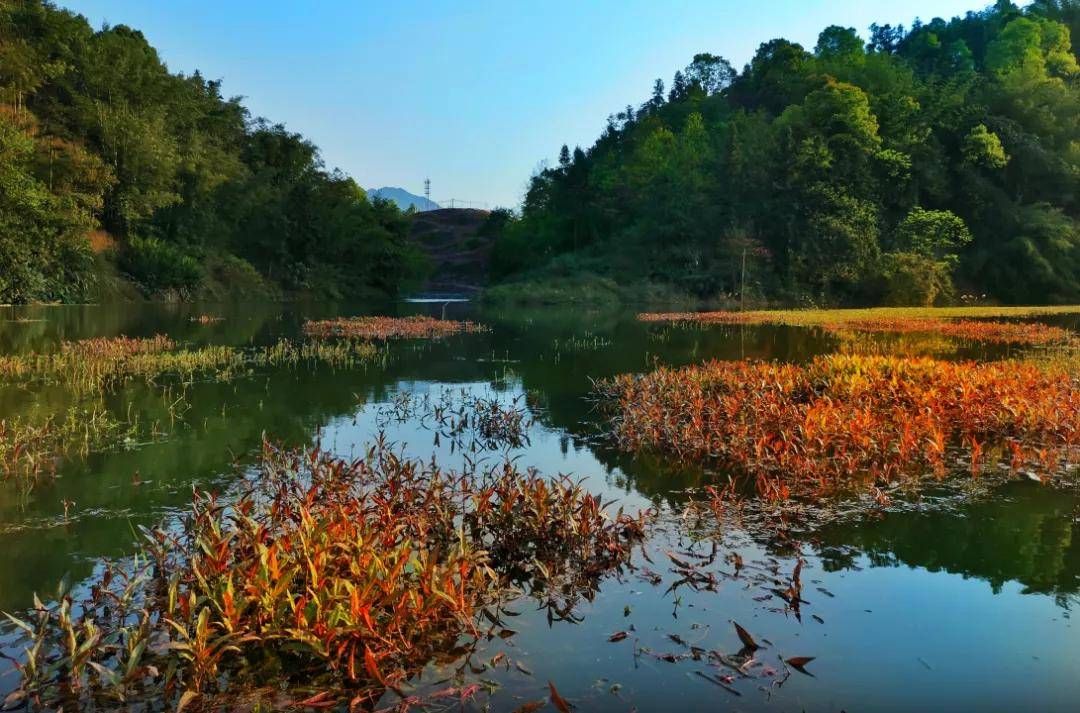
<point x="902" y="167"/>
<point x="178" y="185"/>
<point x="403" y="199"/>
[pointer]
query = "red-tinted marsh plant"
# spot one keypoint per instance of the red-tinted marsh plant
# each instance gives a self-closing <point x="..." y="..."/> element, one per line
<point x="417" y="327"/>
<point x="333" y="575"/>
<point x="971" y="330"/>
<point x="843" y="420"/>
<point x="904" y="322"/>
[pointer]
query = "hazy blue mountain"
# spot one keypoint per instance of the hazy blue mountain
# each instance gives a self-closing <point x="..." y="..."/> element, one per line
<point x="403" y="198"/>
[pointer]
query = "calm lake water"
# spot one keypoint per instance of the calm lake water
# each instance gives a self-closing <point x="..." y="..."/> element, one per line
<point x="959" y="601"/>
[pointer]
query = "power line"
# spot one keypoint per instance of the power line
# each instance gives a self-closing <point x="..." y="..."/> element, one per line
<point x="459" y="203"/>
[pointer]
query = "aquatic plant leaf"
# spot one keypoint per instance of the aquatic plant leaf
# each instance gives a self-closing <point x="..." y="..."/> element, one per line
<point x="530" y="706"/>
<point x="745" y="637"/>
<point x="798" y="662"/>
<point x="557" y="700"/>
<point x="185" y="699"/>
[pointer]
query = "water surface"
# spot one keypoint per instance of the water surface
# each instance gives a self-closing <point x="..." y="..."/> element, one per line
<point x="959" y="602"/>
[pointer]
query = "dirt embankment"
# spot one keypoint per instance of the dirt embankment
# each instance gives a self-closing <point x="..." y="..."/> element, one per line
<point x="452" y="238"/>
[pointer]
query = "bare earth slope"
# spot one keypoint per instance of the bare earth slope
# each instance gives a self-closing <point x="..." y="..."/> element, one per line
<point x="450" y="238"/>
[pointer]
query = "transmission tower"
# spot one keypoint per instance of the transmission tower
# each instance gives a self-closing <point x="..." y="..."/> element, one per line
<point x="427" y="193"/>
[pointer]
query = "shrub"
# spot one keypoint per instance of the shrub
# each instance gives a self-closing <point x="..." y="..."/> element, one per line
<point x="913" y="280"/>
<point x="158" y="265"/>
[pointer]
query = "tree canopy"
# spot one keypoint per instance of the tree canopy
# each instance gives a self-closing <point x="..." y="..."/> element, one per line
<point x="96" y="134"/>
<point x="865" y="171"/>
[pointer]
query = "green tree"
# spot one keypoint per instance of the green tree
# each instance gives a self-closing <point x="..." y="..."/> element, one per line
<point x="982" y="147"/>
<point x="936" y="234"/>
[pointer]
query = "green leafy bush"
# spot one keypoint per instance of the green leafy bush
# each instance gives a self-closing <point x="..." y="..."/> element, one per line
<point x="158" y="265"/>
<point x="914" y="280"/>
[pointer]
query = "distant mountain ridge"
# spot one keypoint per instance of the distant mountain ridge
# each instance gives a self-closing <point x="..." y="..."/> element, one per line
<point x="403" y="198"/>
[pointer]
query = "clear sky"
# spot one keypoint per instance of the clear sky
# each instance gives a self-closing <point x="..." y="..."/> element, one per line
<point x="472" y="94"/>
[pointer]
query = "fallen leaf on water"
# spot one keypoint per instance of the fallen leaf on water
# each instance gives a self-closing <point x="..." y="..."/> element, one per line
<point x="530" y="707"/>
<point x="744" y="636"/>
<point x="618" y="636"/>
<point x="798" y="661"/>
<point x="557" y="700"/>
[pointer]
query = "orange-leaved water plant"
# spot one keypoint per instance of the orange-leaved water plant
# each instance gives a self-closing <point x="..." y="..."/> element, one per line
<point x="416" y="327"/>
<point x="338" y="576"/>
<point x="971" y="330"/>
<point x="843" y="420"/>
<point x="929" y="321"/>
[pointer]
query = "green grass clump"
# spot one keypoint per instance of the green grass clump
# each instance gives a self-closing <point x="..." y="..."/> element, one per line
<point x="30" y="452"/>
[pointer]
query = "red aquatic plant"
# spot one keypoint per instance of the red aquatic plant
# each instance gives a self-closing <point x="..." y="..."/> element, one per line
<point x="847" y="419"/>
<point x="973" y="330"/>
<point x="1028" y="333"/>
<point x="417" y="327"/>
<point x="342" y="576"/>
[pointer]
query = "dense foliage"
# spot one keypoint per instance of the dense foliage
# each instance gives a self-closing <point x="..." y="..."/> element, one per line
<point x="860" y="172"/>
<point x="97" y="135"/>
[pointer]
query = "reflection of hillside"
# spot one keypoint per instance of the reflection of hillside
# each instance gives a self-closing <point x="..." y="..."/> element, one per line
<point x="564" y="377"/>
<point x="45" y="326"/>
<point x="1025" y="533"/>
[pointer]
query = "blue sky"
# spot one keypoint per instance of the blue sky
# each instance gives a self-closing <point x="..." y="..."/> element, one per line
<point x="473" y="95"/>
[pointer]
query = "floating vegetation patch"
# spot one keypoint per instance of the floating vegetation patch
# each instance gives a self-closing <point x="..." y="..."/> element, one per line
<point x="848" y="420"/>
<point x="946" y="322"/>
<point x="342" y="577"/>
<point x="103" y="363"/>
<point x="417" y="327"/>
<point x="207" y="319"/>
<point x="885" y="344"/>
<point x="31" y="451"/>
<point x="343" y="353"/>
<point x="1002" y="332"/>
